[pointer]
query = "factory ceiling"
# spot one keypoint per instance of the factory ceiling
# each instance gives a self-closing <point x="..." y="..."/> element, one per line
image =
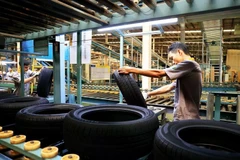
<point x="27" y="19"/>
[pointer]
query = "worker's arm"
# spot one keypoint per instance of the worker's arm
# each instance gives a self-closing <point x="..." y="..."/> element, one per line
<point x="16" y="78"/>
<point x="32" y="76"/>
<point x="156" y="73"/>
<point x="161" y="90"/>
<point x="27" y="80"/>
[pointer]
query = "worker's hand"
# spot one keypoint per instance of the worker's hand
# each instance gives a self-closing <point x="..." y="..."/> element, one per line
<point x="15" y="79"/>
<point x="37" y="74"/>
<point x="125" y="70"/>
<point x="41" y="69"/>
<point x="145" y="95"/>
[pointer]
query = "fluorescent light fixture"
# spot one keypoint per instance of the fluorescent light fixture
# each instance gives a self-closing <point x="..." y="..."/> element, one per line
<point x="142" y="33"/>
<point x="173" y="32"/>
<point x="164" y="21"/>
<point x="196" y="31"/>
<point x="7" y="62"/>
<point x="229" y="30"/>
<point x="109" y="34"/>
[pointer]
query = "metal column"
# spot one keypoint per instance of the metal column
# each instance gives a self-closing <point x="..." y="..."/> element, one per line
<point x="147" y="55"/>
<point x="121" y="64"/>
<point x="182" y="27"/>
<point x="238" y="110"/>
<point x="22" y="75"/>
<point x="210" y="106"/>
<point x="59" y="70"/>
<point x="79" y="67"/>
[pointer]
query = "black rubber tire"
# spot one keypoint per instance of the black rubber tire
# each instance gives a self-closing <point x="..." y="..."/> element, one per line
<point x="43" y="120"/>
<point x="110" y="132"/>
<point x="10" y="106"/>
<point x="7" y="95"/>
<point x="129" y="89"/>
<point x="197" y="140"/>
<point x="44" y="82"/>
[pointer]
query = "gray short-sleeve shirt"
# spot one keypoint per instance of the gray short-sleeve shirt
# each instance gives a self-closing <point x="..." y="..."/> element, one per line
<point x="27" y="74"/>
<point x="188" y="89"/>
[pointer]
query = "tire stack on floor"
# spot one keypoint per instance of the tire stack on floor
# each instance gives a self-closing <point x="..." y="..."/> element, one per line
<point x="10" y="106"/>
<point x="44" y="120"/>
<point x="110" y="132"/>
<point x="4" y="95"/>
<point x="197" y="140"/>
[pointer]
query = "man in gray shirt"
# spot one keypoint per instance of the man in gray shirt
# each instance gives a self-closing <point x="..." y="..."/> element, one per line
<point x="28" y="77"/>
<point x="187" y="83"/>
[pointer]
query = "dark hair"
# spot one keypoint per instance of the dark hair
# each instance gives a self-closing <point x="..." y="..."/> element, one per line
<point x="25" y="62"/>
<point x="179" y="45"/>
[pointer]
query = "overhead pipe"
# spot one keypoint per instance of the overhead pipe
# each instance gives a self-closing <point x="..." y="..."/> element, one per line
<point x="150" y="3"/>
<point x="170" y="3"/>
<point x="83" y="14"/>
<point x="95" y="7"/>
<point x="113" y="6"/>
<point x="131" y="5"/>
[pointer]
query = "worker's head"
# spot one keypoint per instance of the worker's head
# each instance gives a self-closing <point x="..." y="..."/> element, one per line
<point x="177" y="52"/>
<point x="9" y="69"/>
<point x="26" y="64"/>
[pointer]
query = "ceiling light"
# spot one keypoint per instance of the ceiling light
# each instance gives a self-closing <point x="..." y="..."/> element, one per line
<point x="142" y="33"/>
<point x="164" y="21"/>
<point x="173" y="32"/>
<point x="109" y="34"/>
<point x="229" y="30"/>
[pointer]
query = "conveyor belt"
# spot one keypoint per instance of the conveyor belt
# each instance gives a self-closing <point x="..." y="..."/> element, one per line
<point x="36" y="154"/>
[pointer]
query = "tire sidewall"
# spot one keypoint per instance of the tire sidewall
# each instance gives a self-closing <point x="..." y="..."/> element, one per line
<point x="169" y="134"/>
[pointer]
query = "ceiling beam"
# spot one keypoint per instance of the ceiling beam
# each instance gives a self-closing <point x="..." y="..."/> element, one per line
<point x="95" y="7"/>
<point x="79" y="6"/>
<point x="47" y="12"/>
<point x="170" y="3"/>
<point x="83" y="14"/>
<point x="151" y="4"/>
<point x="31" y="12"/>
<point x="11" y="35"/>
<point x="161" y="12"/>
<point x="131" y="5"/>
<point x="112" y="6"/>
<point x="189" y="1"/>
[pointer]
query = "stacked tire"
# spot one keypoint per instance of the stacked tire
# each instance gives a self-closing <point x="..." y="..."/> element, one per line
<point x="45" y="120"/>
<point x="10" y="106"/>
<point x="110" y="132"/>
<point x="197" y="140"/>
